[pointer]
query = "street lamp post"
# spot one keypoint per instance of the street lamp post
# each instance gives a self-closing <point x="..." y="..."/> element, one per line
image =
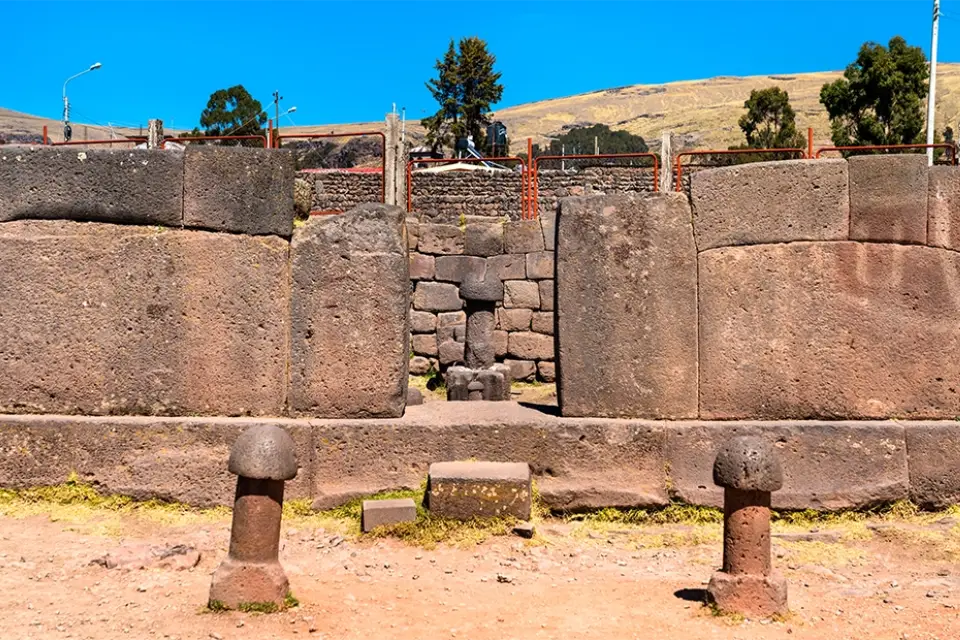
<point x="67" y="133"/>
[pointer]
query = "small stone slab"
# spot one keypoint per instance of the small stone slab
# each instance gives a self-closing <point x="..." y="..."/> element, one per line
<point x="379" y="513"/>
<point x="465" y="490"/>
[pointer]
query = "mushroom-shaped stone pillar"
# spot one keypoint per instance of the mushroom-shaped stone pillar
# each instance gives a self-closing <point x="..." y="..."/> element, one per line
<point x="748" y="469"/>
<point x="482" y="295"/>
<point x="263" y="457"/>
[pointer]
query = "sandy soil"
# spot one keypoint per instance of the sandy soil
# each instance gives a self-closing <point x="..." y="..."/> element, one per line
<point x="888" y="580"/>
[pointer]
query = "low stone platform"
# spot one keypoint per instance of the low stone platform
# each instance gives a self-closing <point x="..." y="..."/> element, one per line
<point x="577" y="462"/>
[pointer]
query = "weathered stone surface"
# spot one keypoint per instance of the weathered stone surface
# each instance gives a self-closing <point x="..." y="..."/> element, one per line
<point x="748" y="463"/>
<point x="423" y="322"/>
<point x="107" y="319"/>
<point x="522" y="236"/>
<point x="764" y="202"/>
<point x="514" y="319"/>
<point x="179" y="557"/>
<point x="457" y="380"/>
<point x="542" y="323"/>
<point x="451" y="319"/>
<point x="424" y="344"/>
<point x="867" y="461"/>
<point x="419" y="366"/>
<point x="264" y="452"/>
<point x="414" y="396"/>
<point x="530" y="346"/>
<point x="943" y="207"/>
<point x="934" y="461"/>
<point x="172" y="459"/>
<point x="888" y="198"/>
<point x="627" y="307"/>
<point x="483" y="288"/>
<point x="479" y="347"/>
<point x="238" y="189"/>
<point x="548" y="222"/>
<point x="379" y="513"/>
<point x="456" y="332"/>
<point x="450" y="351"/>
<point x="441" y="239"/>
<point x="458" y="268"/>
<point x="755" y="596"/>
<point x="546" y="295"/>
<point x="523" y="370"/>
<point x="125" y="186"/>
<point x="500" y="340"/>
<point x="540" y="265"/>
<point x="496" y="384"/>
<point x="465" y="490"/>
<point x="422" y="267"/>
<point x="547" y="371"/>
<point x="350" y="303"/>
<point x="235" y="583"/>
<point x="483" y="239"/>
<point x="507" y="266"/>
<point x="413" y="233"/>
<point x="436" y="296"/>
<point x="829" y="330"/>
<point x="521" y="293"/>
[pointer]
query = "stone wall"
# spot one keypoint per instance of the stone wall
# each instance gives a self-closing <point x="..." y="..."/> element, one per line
<point x="812" y="289"/>
<point x="519" y="253"/>
<point x="159" y="282"/>
<point x="338" y="190"/>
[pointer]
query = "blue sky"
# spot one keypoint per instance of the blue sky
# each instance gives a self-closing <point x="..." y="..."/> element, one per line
<point x="350" y="61"/>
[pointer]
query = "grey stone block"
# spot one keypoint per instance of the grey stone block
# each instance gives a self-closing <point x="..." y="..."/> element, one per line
<point x="521" y="294"/>
<point x="350" y="303"/>
<point x="527" y="345"/>
<point x="422" y="267"/>
<point x="451" y="351"/>
<point x="542" y="322"/>
<point x="546" y="295"/>
<point x="122" y="186"/>
<point x="507" y="266"/>
<point x="380" y="513"/>
<point x="523" y="236"/>
<point x="459" y="268"/>
<point x="514" y="319"/>
<point x="239" y="189"/>
<point x="419" y="366"/>
<point x="522" y="370"/>
<point x="441" y="239"/>
<point x="540" y="265"/>
<point x="548" y="222"/>
<point x="424" y="344"/>
<point x="483" y="239"/>
<point x="436" y="296"/>
<point x="500" y="342"/>
<point x="465" y="490"/>
<point x="547" y="371"/>
<point x="933" y="450"/>
<point x="888" y="198"/>
<point x="422" y="322"/>
<point x="451" y="319"/>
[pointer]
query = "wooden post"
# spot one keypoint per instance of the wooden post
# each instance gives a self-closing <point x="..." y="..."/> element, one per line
<point x="666" y="159"/>
<point x="391" y="174"/>
<point x="155" y="134"/>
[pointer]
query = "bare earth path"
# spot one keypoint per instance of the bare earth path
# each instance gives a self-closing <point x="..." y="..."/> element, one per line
<point x="889" y="580"/>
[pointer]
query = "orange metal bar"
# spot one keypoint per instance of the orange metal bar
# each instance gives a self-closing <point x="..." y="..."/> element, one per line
<point x="887" y="147"/>
<point x="809" y="142"/>
<point x="45" y="139"/>
<point x="192" y="138"/>
<point x="531" y="214"/>
<point x="730" y="152"/>
<point x="86" y="142"/>
<point x="410" y="164"/>
<point x="383" y="153"/>
<point x="270" y="133"/>
<point x="535" y="197"/>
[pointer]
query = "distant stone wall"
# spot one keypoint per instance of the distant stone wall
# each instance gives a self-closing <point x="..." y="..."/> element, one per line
<point x="341" y="190"/>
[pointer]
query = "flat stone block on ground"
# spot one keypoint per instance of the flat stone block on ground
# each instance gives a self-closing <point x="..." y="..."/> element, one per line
<point x="766" y="202"/>
<point x="239" y="190"/>
<point x="349" y="313"/>
<point x="832" y="330"/>
<point x="888" y="198"/>
<point x="465" y="490"/>
<point x="627" y="307"/>
<point x="826" y="465"/>
<point x="130" y="186"/>
<point x="379" y="513"/>
<point x="124" y="319"/>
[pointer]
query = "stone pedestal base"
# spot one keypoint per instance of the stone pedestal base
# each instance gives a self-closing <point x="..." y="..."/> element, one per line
<point x="235" y="583"/>
<point x="749" y="595"/>
<point x="478" y="384"/>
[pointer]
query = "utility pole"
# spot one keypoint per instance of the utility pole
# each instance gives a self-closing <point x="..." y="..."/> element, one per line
<point x="932" y="97"/>
<point x="276" y="105"/>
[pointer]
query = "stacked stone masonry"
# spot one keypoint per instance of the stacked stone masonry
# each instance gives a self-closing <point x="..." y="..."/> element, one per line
<point x="167" y="282"/>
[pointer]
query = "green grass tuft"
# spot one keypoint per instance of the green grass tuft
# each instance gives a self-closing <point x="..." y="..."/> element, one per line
<point x="215" y="606"/>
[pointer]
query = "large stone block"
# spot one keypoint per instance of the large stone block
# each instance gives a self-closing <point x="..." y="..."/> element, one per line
<point x="441" y="239"/>
<point x="531" y="346"/>
<point x="826" y="465"/>
<point x="483" y="239"/>
<point x="548" y="222"/>
<point x="522" y="294"/>
<point x="436" y="296"/>
<point x="546" y="295"/>
<point x="767" y="202"/>
<point x="238" y="189"/>
<point x="380" y="513"/>
<point x="458" y="268"/>
<point x="424" y="344"/>
<point x="422" y="267"/>
<point x="540" y="265"/>
<point x="181" y="459"/>
<point x="943" y="207"/>
<point x="507" y="266"/>
<point x="107" y="319"/>
<point x="523" y="236"/>
<point x="933" y="450"/>
<point x="466" y="490"/>
<point x="829" y="330"/>
<point x="888" y="198"/>
<point x="627" y="307"/>
<point x="130" y="186"/>
<point x="422" y="322"/>
<point x="350" y="298"/>
<point x="514" y="319"/>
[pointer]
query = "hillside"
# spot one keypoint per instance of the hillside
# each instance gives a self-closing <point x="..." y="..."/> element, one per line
<point x="703" y="112"/>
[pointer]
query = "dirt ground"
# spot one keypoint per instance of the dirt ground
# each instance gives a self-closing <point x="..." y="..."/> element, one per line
<point x="877" y="579"/>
